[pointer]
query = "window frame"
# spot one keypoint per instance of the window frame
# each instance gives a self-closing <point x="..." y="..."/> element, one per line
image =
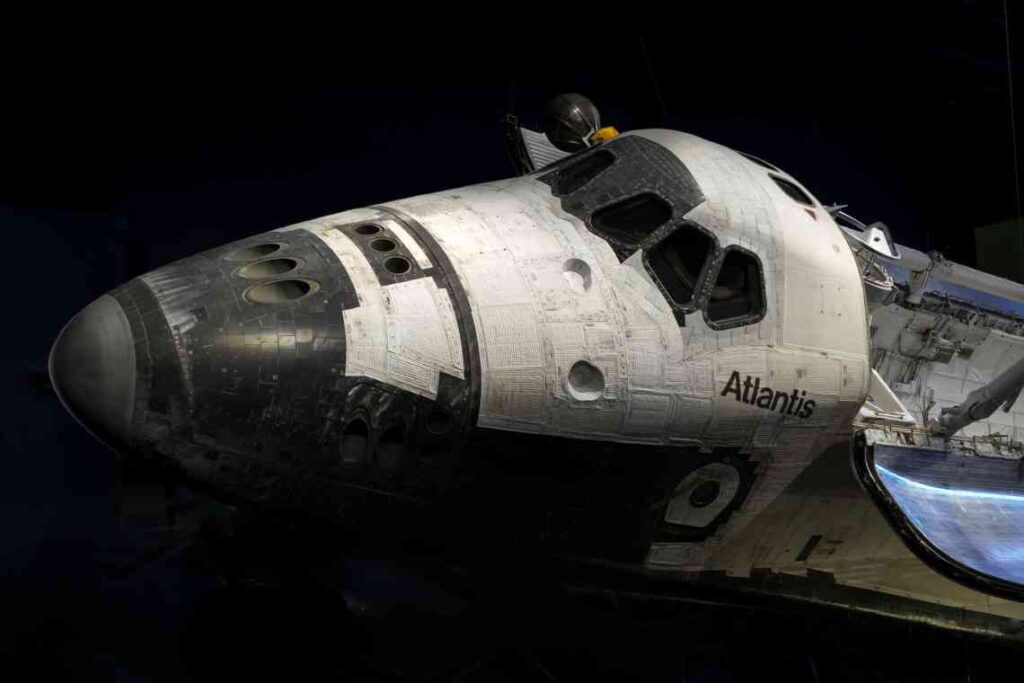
<point x="559" y="167"/>
<point x="767" y="165"/>
<point x="650" y="239"/>
<point x="700" y="290"/>
<point x="749" y="318"/>
<point x="778" y="181"/>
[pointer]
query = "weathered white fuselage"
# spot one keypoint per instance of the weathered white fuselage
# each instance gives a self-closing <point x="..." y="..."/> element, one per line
<point x="572" y="355"/>
<point x="546" y="293"/>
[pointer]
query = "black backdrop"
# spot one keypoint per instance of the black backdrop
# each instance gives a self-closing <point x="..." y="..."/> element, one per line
<point x="130" y="141"/>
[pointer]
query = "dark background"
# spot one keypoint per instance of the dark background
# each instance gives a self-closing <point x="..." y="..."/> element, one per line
<point x="127" y="142"/>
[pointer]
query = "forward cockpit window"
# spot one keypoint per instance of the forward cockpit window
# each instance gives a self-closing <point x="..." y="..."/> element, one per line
<point x="794" y="192"/>
<point x="737" y="296"/>
<point x="633" y="193"/>
<point x="731" y="295"/>
<point x="632" y="219"/>
<point x="679" y="260"/>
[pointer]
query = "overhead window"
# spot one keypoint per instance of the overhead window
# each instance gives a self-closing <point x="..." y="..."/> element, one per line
<point x="794" y="192"/>
<point x="678" y="261"/>
<point x="577" y="174"/>
<point x="633" y="218"/>
<point x="759" y="162"/>
<point x="738" y="293"/>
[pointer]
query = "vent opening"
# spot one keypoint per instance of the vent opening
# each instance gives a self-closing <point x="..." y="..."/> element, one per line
<point x="368" y="229"/>
<point x="397" y="265"/>
<point x="353" y="441"/>
<point x="390" y="447"/>
<point x="279" y="291"/>
<point x="383" y="245"/>
<point x="252" y="252"/>
<point x="268" y="268"/>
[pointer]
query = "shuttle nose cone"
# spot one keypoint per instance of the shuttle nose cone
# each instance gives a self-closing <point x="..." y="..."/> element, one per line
<point x="92" y="367"/>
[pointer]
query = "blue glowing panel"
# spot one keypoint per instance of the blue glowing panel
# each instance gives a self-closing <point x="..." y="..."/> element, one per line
<point x="970" y="508"/>
<point x="937" y="285"/>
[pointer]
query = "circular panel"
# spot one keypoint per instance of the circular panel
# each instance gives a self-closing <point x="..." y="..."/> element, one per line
<point x="586" y="382"/>
<point x="577" y="275"/>
<point x="693" y="504"/>
<point x="268" y="268"/>
<point x="705" y="493"/>
<point x="252" y="252"/>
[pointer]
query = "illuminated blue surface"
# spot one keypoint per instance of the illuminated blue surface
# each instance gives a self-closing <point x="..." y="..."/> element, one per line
<point x="980" y="524"/>
<point x="937" y="285"/>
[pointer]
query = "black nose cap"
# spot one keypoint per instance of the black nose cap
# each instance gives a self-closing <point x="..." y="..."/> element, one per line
<point x="92" y="367"/>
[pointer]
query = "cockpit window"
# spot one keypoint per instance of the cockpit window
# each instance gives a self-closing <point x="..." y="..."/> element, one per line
<point x="633" y="218"/>
<point x="794" y="192"/>
<point x="626" y="191"/>
<point x="737" y="297"/>
<point x="678" y="261"/>
<point x="575" y="175"/>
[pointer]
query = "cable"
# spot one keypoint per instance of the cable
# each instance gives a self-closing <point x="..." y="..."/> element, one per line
<point x="1013" y="135"/>
<point x="654" y="82"/>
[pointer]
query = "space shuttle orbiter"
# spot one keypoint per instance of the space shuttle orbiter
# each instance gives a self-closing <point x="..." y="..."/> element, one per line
<point x="648" y="349"/>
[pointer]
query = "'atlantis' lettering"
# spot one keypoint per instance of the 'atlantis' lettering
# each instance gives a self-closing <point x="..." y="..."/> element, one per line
<point x="751" y="392"/>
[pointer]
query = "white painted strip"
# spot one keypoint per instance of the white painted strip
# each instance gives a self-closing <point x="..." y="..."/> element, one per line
<point x="366" y="340"/>
<point x="403" y="334"/>
<point x="422" y="327"/>
<point x="411" y="244"/>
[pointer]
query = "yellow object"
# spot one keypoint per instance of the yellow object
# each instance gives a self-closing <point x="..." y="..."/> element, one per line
<point x="606" y="133"/>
